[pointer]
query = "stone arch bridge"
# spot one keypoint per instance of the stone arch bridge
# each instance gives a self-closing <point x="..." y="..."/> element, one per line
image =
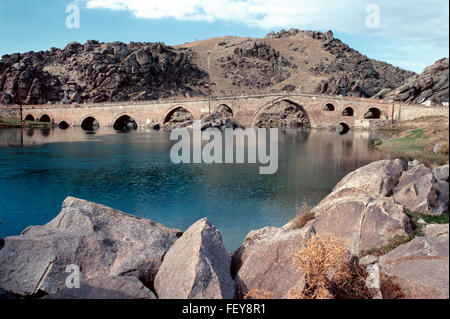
<point x="323" y="111"/>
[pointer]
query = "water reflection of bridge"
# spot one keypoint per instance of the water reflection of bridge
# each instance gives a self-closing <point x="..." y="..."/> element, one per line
<point x="348" y="147"/>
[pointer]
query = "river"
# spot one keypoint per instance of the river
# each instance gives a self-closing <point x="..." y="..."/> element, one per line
<point x="133" y="172"/>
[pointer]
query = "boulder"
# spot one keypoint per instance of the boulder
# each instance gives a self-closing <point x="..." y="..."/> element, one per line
<point x="421" y="222"/>
<point x="100" y="240"/>
<point x="441" y="173"/>
<point x="365" y="223"/>
<point x="197" y="266"/>
<point x="437" y="148"/>
<point x="359" y="209"/>
<point x="375" y="179"/>
<point x="265" y="261"/>
<point x="367" y="260"/>
<point x="125" y="287"/>
<point x="418" y="269"/>
<point x="435" y="230"/>
<point x="419" y="191"/>
<point x="413" y="163"/>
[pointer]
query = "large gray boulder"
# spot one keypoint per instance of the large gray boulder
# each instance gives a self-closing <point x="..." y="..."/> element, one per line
<point x="419" y="191"/>
<point x="363" y="222"/>
<point x="375" y="179"/>
<point x="197" y="266"/>
<point x="265" y="261"/>
<point x="100" y="240"/>
<point x="360" y="209"/>
<point x="124" y="287"/>
<point x="435" y="230"/>
<point x="418" y="269"/>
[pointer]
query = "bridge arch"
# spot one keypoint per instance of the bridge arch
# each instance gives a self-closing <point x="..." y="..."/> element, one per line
<point x="171" y="111"/>
<point x="89" y="123"/>
<point x="266" y="106"/>
<point x="124" y="122"/>
<point x="227" y="107"/>
<point x="45" y="118"/>
<point x="372" y="113"/>
<point x="63" y="125"/>
<point x="30" y="118"/>
<point x="329" y="107"/>
<point x="348" y="111"/>
<point x="342" y="127"/>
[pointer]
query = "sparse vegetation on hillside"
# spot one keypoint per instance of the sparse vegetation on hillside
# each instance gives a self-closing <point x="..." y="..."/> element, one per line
<point x="303" y="61"/>
<point x="417" y="139"/>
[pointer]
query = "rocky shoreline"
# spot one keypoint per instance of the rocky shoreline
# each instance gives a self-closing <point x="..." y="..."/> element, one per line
<point x="122" y="256"/>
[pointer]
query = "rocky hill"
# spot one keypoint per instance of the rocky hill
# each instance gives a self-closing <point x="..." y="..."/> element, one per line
<point x="100" y="72"/>
<point x="294" y="60"/>
<point x="430" y="86"/>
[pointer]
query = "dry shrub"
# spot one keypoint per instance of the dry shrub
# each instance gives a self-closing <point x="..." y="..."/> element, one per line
<point x="304" y="215"/>
<point x="444" y="149"/>
<point x="323" y="257"/>
<point x="390" y="289"/>
<point x="258" y="294"/>
<point x="355" y="286"/>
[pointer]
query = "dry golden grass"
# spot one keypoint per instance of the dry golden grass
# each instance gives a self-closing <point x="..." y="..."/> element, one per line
<point x="328" y="270"/>
<point x="304" y="215"/>
<point x="355" y="286"/>
<point x="258" y="294"/>
<point x="322" y="256"/>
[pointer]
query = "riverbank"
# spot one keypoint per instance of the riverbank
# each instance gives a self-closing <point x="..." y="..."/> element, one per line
<point x="15" y="123"/>
<point x="397" y="245"/>
<point x="425" y="139"/>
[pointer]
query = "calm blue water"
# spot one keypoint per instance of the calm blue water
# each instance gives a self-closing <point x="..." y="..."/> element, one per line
<point x="133" y="172"/>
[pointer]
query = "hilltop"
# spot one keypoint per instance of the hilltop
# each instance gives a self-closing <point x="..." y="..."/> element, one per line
<point x="431" y="86"/>
<point x="294" y="60"/>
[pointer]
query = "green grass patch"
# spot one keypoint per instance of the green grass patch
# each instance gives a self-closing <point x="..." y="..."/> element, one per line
<point x="9" y="121"/>
<point x="411" y="146"/>
<point x="417" y="232"/>
<point x="429" y="219"/>
<point x="416" y="139"/>
<point x="417" y="133"/>
<point x="12" y="122"/>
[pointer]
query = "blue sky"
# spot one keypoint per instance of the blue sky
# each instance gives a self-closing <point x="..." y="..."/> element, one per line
<point x="410" y="34"/>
